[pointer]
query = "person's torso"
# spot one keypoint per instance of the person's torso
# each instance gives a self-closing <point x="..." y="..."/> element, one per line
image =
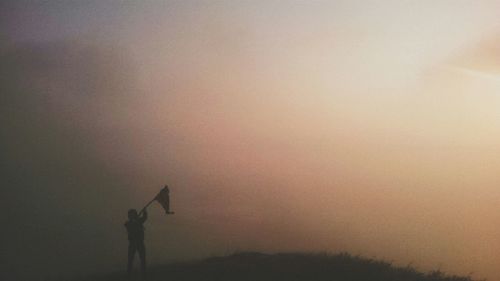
<point x="135" y="230"/>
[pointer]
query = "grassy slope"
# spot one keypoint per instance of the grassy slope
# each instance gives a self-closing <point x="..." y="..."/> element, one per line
<point x="289" y="267"/>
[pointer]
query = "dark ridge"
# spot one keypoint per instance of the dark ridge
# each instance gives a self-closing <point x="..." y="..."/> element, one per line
<point x="254" y="266"/>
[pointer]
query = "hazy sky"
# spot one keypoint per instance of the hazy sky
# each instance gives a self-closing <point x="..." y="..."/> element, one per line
<point x="364" y="126"/>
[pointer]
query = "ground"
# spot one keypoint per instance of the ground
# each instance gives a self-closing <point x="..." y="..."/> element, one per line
<point x="248" y="266"/>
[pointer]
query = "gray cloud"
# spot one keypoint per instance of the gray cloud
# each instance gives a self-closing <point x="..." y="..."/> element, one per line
<point x="58" y="99"/>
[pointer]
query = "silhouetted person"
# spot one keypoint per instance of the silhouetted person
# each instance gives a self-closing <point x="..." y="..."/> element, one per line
<point x="135" y="231"/>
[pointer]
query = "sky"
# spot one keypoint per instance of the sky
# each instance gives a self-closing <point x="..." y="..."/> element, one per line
<point x="370" y="127"/>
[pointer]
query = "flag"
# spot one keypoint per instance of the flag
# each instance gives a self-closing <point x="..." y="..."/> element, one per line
<point x="164" y="199"/>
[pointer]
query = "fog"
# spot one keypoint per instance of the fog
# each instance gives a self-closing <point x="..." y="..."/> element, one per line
<point x="368" y="127"/>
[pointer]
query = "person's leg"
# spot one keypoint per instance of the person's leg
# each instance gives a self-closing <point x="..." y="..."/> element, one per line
<point x="142" y="255"/>
<point x="131" y="254"/>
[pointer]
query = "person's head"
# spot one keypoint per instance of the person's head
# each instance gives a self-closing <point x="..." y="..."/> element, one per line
<point x="132" y="214"/>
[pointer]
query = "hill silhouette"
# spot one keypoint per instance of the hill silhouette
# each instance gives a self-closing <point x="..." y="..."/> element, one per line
<point x="252" y="266"/>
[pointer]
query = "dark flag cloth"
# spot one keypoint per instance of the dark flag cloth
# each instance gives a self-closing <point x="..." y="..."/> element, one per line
<point x="164" y="199"/>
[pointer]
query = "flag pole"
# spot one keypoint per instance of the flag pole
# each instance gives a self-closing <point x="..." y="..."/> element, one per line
<point x="147" y="205"/>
